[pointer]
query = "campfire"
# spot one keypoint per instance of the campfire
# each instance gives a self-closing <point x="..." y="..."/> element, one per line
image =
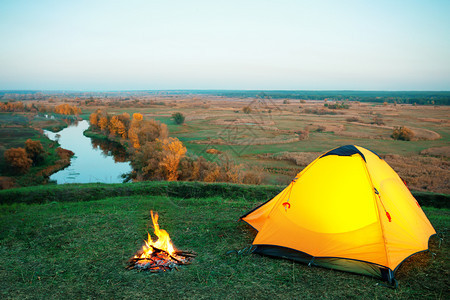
<point x="159" y="255"/>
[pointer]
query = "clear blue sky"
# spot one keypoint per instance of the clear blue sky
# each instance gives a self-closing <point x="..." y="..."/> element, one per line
<point x="229" y="44"/>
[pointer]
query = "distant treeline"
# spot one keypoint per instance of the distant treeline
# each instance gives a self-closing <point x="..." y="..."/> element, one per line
<point x="408" y="97"/>
<point x="422" y="98"/>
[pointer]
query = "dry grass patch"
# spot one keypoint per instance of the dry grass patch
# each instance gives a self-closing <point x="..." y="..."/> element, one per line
<point x="437" y="151"/>
<point x="425" y="134"/>
<point x="422" y="173"/>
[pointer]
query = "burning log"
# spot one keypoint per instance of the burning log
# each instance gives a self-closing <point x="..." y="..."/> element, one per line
<point x="159" y="255"/>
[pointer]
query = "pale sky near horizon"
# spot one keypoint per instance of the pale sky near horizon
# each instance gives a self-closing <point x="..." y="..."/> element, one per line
<point x="232" y="44"/>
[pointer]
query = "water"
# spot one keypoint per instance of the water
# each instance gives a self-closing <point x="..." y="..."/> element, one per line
<point x="90" y="163"/>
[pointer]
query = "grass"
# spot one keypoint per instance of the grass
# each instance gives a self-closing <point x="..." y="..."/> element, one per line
<point x="15" y="129"/>
<point x="80" y="249"/>
<point x="212" y="121"/>
<point x="95" y="191"/>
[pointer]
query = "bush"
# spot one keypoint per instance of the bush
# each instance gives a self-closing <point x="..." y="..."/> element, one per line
<point x="377" y="120"/>
<point x="402" y="133"/>
<point x="353" y="119"/>
<point x="319" y="112"/>
<point x="35" y="151"/>
<point x="338" y="105"/>
<point x="178" y="118"/>
<point x="17" y="159"/>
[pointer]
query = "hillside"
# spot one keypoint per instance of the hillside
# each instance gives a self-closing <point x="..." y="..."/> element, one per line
<point x="74" y="241"/>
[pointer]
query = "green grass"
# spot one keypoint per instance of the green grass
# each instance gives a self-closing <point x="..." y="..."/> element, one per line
<point x="80" y="249"/>
<point x="14" y="137"/>
<point x="94" y="191"/>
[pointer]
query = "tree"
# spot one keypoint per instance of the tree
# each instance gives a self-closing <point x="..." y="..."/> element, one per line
<point x="178" y="118"/>
<point x="172" y="152"/>
<point x="35" y="151"/>
<point x="18" y="160"/>
<point x="93" y="119"/>
<point x="103" y="123"/>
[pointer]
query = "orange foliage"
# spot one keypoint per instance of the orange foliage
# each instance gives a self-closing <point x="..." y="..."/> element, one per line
<point x="18" y="160"/>
<point x="34" y="150"/>
<point x="138" y="117"/>
<point x="173" y="151"/>
<point x="67" y="109"/>
<point x="93" y="119"/>
<point x="103" y="123"/>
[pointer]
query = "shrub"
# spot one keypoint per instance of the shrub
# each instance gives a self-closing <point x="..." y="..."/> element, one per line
<point x="321" y="128"/>
<point x="35" y="151"/>
<point x="377" y="120"/>
<point x="18" y="160"/>
<point x="303" y="134"/>
<point x="402" y="133"/>
<point x="213" y="151"/>
<point x="353" y="119"/>
<point x="319" y="112"/>
<point x="178" y="118"/>
<point x="338" y="105"/>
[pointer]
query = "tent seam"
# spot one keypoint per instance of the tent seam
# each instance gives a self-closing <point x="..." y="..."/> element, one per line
<point x="379" y="216"/>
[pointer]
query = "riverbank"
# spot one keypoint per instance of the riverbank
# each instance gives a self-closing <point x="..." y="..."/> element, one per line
<point x="94" y="161"/>
<point x="15" y="129"/>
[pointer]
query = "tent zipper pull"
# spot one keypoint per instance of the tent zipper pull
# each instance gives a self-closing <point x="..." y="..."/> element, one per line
<point x="388" y="215"/>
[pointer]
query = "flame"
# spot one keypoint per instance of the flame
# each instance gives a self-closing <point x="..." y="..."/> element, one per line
<point x="162" y="242"/>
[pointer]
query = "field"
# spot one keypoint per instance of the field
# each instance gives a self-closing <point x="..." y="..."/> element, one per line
<point x="80" y="249"/>
<point x="270" y="136"/>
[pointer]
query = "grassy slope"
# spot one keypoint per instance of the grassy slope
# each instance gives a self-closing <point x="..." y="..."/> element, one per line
<point x="80" y="249"/>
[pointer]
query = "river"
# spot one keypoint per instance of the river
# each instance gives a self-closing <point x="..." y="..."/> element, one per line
<point x="90" y="163"/>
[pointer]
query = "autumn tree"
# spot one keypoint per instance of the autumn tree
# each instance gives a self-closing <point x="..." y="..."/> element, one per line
<point x="18" y="160"/>
<point x="93" y="119"/>
<point x="103" y="123"/>
<point x="35" y="151"/>
<point x="172" y="152"/>
<point x="67" y="109"/>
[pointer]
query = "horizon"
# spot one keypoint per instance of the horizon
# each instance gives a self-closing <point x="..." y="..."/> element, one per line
<point x="213" y="90"/>
<point x="104" y="46"/>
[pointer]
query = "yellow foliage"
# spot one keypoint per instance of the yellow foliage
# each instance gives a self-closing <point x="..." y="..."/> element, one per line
<point x="173" y="152"/>
<point x="138" y="117"/>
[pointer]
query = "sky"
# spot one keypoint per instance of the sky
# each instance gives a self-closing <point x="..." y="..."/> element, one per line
<point x="99" y="45"/>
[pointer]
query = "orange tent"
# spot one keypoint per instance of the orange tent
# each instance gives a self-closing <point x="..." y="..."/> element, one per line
<point x="347" y="210"/>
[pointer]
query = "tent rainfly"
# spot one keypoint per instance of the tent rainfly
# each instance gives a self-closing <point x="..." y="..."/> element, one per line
<point x="347" y="210"/>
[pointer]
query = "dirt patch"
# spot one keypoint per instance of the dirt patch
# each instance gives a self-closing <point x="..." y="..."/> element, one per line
<point x="437" y="151"/>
